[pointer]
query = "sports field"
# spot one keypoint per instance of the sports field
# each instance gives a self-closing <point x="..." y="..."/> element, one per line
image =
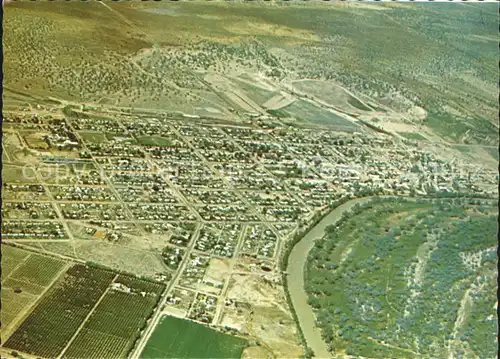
<point x="179" y="338"/>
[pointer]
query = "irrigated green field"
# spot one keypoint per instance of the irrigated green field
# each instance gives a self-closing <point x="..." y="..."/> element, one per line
<point x="180" y="338"/>
<point x="114" y="326"/>
<point x="311" y="113"/>
<point x="330" y="93"/>
<point x="124" y="305"/>
<point x="25" y="275"/>
<point x="413" y="136"/>
<point x="94" y="137"/>
<point x="38" y="269"/>
<point x="50" y="326"/>
<point x="153" y="141"/>
<point x="408" y="280"/>
<point x="11" y="258"/>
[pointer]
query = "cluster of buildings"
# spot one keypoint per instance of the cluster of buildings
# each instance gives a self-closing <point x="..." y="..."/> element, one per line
<point x="17" y="229"/>
<point x="28" y="210"/>
<point x="203" y="308"/>
<point x="201" y="191"/>
<point x="218" y="239"/>
<point x="194" y="271"/>
<point x="173" y="256"/>
<point x="82" y="193"/>
<point x="259" y="241"/>
<point x="60" y="136"/>
<point x="93" y="211"/>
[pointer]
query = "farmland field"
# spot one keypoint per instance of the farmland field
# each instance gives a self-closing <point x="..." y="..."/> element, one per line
<point x="34" y="139"/>
<point x="25" y="287"/>
<point x="18" y="174"/>
<point x="413" y="136"/>
<point x="11" y="257"/>
<point x="12" y="304"/>
<point x="38" y="269"/>
<point x="50" y="326"/>
<point x="411" y="280"/>
<point x="92" y="344"/>
<point x="25" y="275"/>
<point x="356" y="103"/>
<point x="307" y="111"/>
<point x="95" y="137"/>
<point x="113" y="327"/>
<point x="33" y="274"/>
<point x="257" y="94"/>
<point x="330" y="93"/>
<point x="153" y="141"/>
<point x="179" y="338"/>
<point x="493" y="152"/>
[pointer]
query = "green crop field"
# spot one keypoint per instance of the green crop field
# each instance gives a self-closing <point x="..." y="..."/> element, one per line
<point x="11" y="258"/>
<point x="330" y="93"/>
<point x="13" y="304"/>
<point x="38" y="269"/>
<point x="25" y="275"/>
<point x="50" y="326"/>
<point x="307" y="111"/>
<point x="408" y="280"/>
<point x="413" y="136"/>
<point x="96" y="345"/>
<point x="258" y="94"/>
<point x="180" y="338"/>
<point x="356" y="103"/>
<point x="25" y="287"/>
<point x="278" y="113"/>
<point x="95" y="137"/>
<point x="111" y="329"/>
<point x="18" y="174"/>
<point x="115" y="324"/>
<point x="153" y="141"/>
<point x="33" y="274"/>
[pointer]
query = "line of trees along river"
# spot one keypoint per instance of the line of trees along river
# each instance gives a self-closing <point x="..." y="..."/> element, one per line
<point x="293" y="264"/>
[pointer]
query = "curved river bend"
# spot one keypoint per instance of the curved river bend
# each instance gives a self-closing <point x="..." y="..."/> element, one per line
<point x="295" y="278"/>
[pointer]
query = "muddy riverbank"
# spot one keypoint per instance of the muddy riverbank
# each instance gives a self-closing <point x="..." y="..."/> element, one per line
<point x="295" y="278"/>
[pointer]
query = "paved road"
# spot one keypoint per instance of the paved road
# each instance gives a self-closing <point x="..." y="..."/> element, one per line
<point x="295" y="278"/>
<point x="158" y="314"/>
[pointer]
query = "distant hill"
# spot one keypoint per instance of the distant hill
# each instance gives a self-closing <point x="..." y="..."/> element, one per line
<point x="427" y="65"/>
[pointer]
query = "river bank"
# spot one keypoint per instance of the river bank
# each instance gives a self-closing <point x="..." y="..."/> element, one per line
<point x="295" y="259"/>
<point x="295" y="277"/>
